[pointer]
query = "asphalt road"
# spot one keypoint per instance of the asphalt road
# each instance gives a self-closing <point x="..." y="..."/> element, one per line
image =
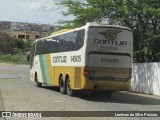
<point x="18" y="93"/>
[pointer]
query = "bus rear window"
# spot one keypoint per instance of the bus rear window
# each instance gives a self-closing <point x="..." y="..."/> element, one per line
<point x="109" y="39"/>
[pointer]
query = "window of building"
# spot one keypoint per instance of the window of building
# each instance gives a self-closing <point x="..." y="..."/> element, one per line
<point x="21" y="36"/>
<point x="37" y="36"/>
<point x="27" y="36"/>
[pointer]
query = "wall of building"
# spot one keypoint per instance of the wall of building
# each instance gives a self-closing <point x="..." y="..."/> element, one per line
<point x="26" y="36"/>
<point x="30" y="36"/>
<point x="146" y="78"/>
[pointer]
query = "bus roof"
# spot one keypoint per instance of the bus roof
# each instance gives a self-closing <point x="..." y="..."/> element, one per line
<point x="63" y="31"/>
<point x="60" y="31"/>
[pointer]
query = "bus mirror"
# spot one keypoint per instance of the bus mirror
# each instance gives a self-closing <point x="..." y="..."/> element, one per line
<point x="28" y="56"/>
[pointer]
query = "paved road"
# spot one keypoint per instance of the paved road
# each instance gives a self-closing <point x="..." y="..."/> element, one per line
<point x="10" y="71"/>
<point x="17" y="93"/>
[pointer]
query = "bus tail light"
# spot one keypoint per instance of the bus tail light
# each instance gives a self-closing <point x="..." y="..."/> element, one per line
<point x="86" y="71"/>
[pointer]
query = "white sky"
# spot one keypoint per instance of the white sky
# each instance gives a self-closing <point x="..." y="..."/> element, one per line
<point x="32" y="11"/>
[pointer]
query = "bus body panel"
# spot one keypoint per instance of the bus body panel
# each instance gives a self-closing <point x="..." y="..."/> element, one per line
<point x="68" y="63"/>
<point x="101" y="83"/>
<point x="41" y="66"/>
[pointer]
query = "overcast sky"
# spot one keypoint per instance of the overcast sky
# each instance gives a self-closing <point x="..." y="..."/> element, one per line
<point x="32" y="11"/>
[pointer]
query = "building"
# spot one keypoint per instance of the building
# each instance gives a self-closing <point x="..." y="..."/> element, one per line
<point x="27" y="36"/>
<point x="26" y="31"/>
<point x="5" y="25"/>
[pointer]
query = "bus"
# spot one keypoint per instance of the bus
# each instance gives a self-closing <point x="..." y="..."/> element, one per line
<point x="94" y="57"/>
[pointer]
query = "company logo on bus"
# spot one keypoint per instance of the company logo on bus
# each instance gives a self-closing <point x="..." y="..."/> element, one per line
<point x="111" y="34"/>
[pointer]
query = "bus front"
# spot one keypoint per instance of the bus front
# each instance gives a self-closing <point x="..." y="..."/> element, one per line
<point x="108" y="58"/>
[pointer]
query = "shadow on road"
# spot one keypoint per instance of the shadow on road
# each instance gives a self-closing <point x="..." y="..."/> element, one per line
<point x="125" y="98"/>
<point x="117" y="97"/>
<point x="53" y="88"/>
<point x="135" y="99"/>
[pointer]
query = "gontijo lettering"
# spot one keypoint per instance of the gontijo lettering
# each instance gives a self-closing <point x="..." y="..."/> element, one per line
<point x="59" y="59"/>
<point x="109" y="42"/>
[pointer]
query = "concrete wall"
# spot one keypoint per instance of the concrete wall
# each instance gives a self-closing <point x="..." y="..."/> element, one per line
<point x="146" y="78"/>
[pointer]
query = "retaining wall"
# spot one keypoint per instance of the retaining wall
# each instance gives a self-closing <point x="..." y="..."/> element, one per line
<point x="146" y="78"/>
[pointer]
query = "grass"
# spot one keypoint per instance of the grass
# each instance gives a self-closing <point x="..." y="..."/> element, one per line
<point x="15" y="59"/>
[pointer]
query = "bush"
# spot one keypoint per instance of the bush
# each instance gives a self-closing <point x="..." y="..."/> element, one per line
<point x="17" y="59"/>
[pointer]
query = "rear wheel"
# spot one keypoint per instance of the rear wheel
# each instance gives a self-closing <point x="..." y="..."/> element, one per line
<point x="108" y="94"/>
<point x="95" y="93"/>
<point x="62" y="85"/>
<point x="38" y="84"/>
<point x="70" y="91"/>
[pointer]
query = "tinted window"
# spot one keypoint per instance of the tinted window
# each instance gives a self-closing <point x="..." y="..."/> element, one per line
<point x="71" y="41"/>
<point x="68" y="42"/>
<point x="46" y="46"/>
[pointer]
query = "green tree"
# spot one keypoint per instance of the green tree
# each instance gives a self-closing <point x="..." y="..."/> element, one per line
<point x="142" y="16"/>
<point x="10" y="45"/>
<point x="27" y="46"/>
<point x="20" y="44"/>
<point x="6" y="44"/>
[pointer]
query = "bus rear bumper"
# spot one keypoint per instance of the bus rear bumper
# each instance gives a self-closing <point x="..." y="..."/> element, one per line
<point x="104" y="85"/>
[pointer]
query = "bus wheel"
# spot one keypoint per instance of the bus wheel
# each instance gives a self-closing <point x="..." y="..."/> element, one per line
<point x="70" y="92"/>
<point x="38" y="84"/>
<point x="108" y="94"/>
<point x="95" y="93"/>
<point x="62" y="85"/>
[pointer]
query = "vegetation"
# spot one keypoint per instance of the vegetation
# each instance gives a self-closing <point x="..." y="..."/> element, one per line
<point x="6" y="44"/>
<point x="16" y="59"/>
<point x="13" y="50"/>
<point x="142" y="16"/>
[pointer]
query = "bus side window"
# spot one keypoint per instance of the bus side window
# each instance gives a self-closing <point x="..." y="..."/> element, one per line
<point x="69" y="42"/>
<point x="39" y="48"/>
<point x="79" y="39"/>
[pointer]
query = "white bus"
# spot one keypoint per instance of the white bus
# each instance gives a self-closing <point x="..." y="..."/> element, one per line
<point x="93" y="58"/>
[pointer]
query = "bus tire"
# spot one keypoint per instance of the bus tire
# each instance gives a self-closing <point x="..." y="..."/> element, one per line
<point x="62" y="86"/>
<point x="95" y="93"/>
<point x="70" y="91"/>
<point x="108" y="94"/>
<point x="38" y="84"/>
